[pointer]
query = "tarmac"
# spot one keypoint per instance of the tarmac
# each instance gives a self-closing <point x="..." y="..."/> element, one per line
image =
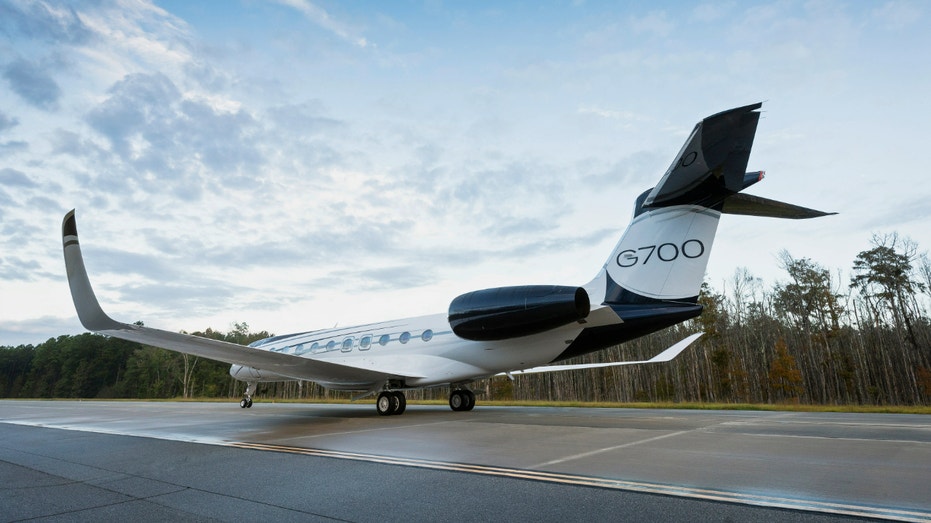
<point x="152" y="461"/>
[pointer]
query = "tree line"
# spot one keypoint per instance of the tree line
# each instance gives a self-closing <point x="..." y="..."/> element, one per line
<point x="814" y="338"/>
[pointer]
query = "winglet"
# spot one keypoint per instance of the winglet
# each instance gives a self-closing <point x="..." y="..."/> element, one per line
<point x="85" y="301"/>
<point x="672" y="352"/>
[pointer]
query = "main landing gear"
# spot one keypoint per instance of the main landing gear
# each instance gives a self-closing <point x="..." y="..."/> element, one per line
<point x="391" y="402"/>
<point x="461" y="400"/>
<point x="246" y="402"/>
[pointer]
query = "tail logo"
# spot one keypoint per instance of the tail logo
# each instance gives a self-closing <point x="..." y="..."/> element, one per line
<point x="688" y="159"/>
<point x="665" y="252"/>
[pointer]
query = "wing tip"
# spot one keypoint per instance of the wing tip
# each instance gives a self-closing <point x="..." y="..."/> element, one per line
<point x="69" y="226"/>
<point x="91" y="315"/>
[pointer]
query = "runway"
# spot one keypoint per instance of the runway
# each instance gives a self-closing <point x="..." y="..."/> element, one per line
<point x="193" y="461"/>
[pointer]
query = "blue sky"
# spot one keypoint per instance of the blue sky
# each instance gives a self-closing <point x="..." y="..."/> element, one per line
<point x="298" y="164"/>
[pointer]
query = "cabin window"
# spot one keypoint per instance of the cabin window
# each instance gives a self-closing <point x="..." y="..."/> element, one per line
<point x="299" y="349"/>
<point x="384" y="339"/>
<point x="404" y="337"/>
<point x="365" y="342"/>
<point x="315" y="348"/>
<point x="427" y="335"/>
<point x="330" y="345"/>
<point x="347" y="345"/>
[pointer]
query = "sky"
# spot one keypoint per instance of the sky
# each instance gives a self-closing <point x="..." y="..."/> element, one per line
<point x="299" y="164"/>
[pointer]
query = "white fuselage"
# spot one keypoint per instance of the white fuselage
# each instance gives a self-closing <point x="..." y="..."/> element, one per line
<point x="423" y="348"/>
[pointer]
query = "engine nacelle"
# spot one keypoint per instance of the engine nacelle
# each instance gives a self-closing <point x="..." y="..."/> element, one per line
<point x="251" y="374"/>
<point x="510" y="312"/>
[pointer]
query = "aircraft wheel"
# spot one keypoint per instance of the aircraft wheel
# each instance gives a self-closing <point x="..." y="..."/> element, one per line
<point x="457" y="399"/>
<point x="401" y="405"/>
<point x="249" y="403"/>
<point x="243" y="404"/>
<point x="470" y="397"/>
<point x="462" y="400"/>
<point x="385" y="403"/>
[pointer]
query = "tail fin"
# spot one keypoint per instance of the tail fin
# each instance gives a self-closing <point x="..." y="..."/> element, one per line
<point x="663" y="254"/>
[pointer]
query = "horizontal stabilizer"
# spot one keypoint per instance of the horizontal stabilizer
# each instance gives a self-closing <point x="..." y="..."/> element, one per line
<point x="749" y="205"/>
<point x="666" y="355"/>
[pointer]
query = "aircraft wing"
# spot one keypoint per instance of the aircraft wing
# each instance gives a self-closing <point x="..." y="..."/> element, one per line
<point x="95" y="319"/>
<point x="664" y="356"/>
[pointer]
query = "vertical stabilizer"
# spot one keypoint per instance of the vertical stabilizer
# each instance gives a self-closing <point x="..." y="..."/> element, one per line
<point x="662" y="256"/>
<point x="664" y="252"/>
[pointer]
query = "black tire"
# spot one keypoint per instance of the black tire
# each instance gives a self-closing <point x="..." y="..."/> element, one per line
<point x="385" y="403"/>
<point x="249" y="403"/>
<point x="401" y="405"/>
<point x="244" y="403"/>
<point x="457" y="399"/>
<point x="470" y="398"/>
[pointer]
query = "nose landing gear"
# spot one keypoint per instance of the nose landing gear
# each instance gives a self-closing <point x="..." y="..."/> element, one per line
<point x="246" y="402"/>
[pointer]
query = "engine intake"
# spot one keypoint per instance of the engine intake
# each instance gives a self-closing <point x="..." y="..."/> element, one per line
<point x="510" y="312"/>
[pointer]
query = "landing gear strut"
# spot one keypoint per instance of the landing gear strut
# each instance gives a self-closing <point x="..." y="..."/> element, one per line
<point x="246" y="402"/>
<point x="461" y="400"/>
<point x="391" y="403"/>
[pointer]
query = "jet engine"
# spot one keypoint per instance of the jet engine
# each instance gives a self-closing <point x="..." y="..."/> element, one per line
<point x="510" y="312"/>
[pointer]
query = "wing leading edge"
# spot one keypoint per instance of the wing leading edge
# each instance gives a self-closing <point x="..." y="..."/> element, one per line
<point x="93" y="318"/>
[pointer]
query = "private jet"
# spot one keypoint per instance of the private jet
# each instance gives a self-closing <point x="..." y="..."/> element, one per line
<point x="650" y="281"/>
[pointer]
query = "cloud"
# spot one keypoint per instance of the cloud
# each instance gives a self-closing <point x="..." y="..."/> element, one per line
<point x="17" y="231"/>
<point x="13" y="147"/>
<point x="68" y="142"/>
<point x="13" y="178"/>
<point x="36" y="330"/>
<point x="304" y="119"/>
<point x="212" y="158"/>
<point x="320" y="17"/>
<point x="33" y="84"/>
<point x="706" y="13"/>
<point x="916" y="209"/>
<point x="625" y="118"/>
<point x="42" y="21"/>
<point x="17" y="269"/>
<point x="898" y="15"/>
<point x="7" y="122"/>
<point x="654" y="23"/>
<point x="138" y="104"/>
<point x="168" y="141"/>
<point x="394" y="277"/>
